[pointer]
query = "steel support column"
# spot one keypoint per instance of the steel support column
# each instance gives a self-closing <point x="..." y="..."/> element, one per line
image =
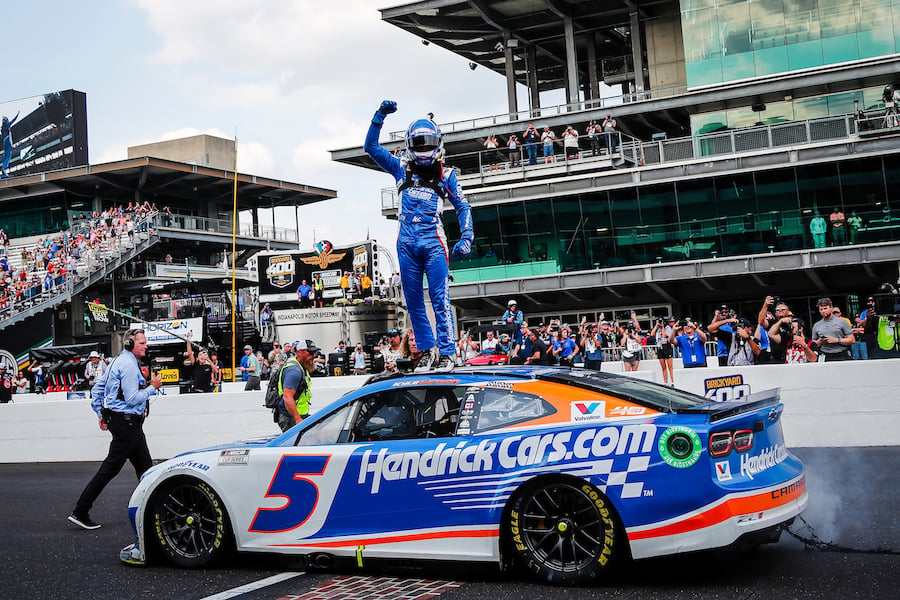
<point x="571" y="62"/>
<point x="511" y="99"/>
<point x="637" y="53"/>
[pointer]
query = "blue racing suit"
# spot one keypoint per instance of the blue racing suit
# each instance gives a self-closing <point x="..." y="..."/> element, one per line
<point x="422" y="244"/>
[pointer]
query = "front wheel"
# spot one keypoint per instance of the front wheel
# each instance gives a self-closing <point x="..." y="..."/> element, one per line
<point x="563" y="531"/>
<point x="189" y="523"/>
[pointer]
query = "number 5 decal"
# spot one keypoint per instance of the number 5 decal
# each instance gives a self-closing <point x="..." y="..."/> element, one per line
<point x="300" y="494"/>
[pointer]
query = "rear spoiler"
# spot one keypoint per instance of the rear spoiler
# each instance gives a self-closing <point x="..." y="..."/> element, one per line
<point x="719" y="411"/>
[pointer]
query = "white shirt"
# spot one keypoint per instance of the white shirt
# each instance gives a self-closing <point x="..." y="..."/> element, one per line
<point x="489" y="344"/>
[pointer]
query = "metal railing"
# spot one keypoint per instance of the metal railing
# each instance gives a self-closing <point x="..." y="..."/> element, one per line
<point x="194" y="223"/>
<point x="551" y="111"/>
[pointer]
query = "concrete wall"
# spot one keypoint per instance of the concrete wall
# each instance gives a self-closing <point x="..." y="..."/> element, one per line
<point x="826" y="404"/>
<point x="665" y="52"/>
<point x="202" y="150"/>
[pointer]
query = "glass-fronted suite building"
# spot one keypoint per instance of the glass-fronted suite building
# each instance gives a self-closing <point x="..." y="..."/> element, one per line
<point x="745" y="123"/>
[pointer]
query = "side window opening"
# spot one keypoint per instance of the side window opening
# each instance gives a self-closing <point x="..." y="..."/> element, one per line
<point x="407" y="414"/>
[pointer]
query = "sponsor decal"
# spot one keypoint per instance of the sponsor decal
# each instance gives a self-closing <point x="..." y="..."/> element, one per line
<point x="627" y="411"/>
<point x="680" y="447"/>
<point x="324" y="255"/>
<point x="582" y="412"/>
<point x="234" y="457"/>
<point x="725" y="389"/>
<point x="98" y="312"/>
<point x="281" y="270"/>
<point x="723" y="471"/>
<point x="360" y="258"/>
<point x="503" y="385"/>
<point x="795" y="488"/>
<point x="766" y="459"/>
<point x="158" y="332"/>
<point x="169" y="375"/>
<point x="510" y="453"/>
<point x="186" y="464"/>
<point x="424" y="382"/>
<point x="749" y="518"/>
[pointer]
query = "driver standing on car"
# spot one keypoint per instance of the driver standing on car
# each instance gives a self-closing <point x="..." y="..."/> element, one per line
<point x="294" y="384"/>
<point x="120" y="400"/>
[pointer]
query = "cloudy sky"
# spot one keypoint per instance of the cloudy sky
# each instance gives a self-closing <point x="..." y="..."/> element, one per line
<point x="292" y="78"/>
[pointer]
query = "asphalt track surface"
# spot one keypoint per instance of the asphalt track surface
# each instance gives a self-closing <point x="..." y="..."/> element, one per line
<point x="853" y="503"/>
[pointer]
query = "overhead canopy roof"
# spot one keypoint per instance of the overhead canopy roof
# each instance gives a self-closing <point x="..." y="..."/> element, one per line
<point x="156" y="179"/>
<point x="474" y="28"/>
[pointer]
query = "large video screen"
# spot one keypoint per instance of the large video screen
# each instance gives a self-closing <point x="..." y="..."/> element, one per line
<point x="280" y="273"/>
<point x="43" y="133"/>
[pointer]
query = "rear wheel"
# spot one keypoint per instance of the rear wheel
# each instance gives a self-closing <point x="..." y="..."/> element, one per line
<point x="563" y="531"/>
<point x="189" y="523"/>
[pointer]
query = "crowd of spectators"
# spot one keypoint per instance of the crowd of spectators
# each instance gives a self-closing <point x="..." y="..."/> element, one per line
<point x="47" y="265"/>
<point x="775" y="335"/>
<point x="599" y="138"/>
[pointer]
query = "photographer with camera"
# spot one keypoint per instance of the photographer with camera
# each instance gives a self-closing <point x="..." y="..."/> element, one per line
<point x="832" y="336"/>
<point x="797" y="348"/>
<point x="661" y="332"/>
<point x="736" y="333"/>
<point x="591" y="345"/>
<point x="690" y="343"/>
<point x="721" y="328"/>
<point x="631" y="341"/>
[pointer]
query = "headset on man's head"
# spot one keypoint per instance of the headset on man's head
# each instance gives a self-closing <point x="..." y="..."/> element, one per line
<point x="128" y="338"/>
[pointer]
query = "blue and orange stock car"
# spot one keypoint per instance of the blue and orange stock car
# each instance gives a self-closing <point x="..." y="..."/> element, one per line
<point x="561" y="471"/>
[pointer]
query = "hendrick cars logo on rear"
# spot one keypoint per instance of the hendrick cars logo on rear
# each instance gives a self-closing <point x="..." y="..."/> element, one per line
<point x="766" y="459"/>
<point x="510" y="453"/>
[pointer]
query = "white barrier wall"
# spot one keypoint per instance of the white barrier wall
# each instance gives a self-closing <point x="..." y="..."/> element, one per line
<point x="826" y="404"/>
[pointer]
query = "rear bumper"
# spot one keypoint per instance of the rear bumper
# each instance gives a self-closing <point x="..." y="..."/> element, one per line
<point x="722" y="523"/>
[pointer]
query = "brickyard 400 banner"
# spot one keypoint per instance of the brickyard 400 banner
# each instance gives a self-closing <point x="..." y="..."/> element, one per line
<point x="281" y="273"/>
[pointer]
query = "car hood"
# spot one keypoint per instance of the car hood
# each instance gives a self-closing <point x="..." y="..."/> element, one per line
<point x="250" y="443"/>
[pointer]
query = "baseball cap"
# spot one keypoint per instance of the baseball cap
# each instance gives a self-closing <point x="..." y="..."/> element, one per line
<point x="248" y="347"/>
<point x="393" y="332"/>
<point x="307" y="346"/>
<point x="94" y="354"/>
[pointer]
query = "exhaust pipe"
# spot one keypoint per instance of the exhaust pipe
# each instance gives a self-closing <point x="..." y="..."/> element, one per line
<point x="321" y="560"/>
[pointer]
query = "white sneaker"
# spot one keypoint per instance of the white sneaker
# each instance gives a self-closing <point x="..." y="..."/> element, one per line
<point x="427" y="361"/>
<point x="445" y="363"/>
<point x="131" y="555"/>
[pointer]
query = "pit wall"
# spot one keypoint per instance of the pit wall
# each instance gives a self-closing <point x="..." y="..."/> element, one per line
<point x="826" y="405"/>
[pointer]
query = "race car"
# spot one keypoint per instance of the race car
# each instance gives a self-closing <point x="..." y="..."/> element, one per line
<point x="561" y="472"/>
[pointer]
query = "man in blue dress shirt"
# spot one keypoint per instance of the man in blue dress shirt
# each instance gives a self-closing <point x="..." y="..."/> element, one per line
<point x="120" y="400"/>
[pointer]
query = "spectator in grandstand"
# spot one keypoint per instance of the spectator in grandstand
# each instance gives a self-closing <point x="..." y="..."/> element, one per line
<point x="690" y="343"/>
<point x="491" y="153"/>
<point x="531" y="139"/>
<point x="817" y="228"/>
<point x="203" y="371"/>
<point x="570" y="142"/>
<point x="854" y="223"/>
<point x="547" y="137"/>
<point x="736" y="335"/>
<point x="512" y="146"/>
<point x="609" y="129"/>
<point x="594" y="131"/>
<point x="832" y="336"/>
<point x="838" y="227"/>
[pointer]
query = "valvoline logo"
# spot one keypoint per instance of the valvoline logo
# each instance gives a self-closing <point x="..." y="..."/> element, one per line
<point x="582" y="412"/>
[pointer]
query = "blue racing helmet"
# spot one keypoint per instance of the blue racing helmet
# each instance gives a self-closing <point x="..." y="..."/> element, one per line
<point x="423" y="142"/>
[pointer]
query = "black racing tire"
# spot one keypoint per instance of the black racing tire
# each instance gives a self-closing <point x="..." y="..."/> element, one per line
<point x="188" y="524"/>
<point x="563" y="531"/>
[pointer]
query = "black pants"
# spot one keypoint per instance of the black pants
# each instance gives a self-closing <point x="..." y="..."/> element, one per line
<point x="252" y="383"/>
<point x="128" y="443"/>
<point x="837" y="356"/>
